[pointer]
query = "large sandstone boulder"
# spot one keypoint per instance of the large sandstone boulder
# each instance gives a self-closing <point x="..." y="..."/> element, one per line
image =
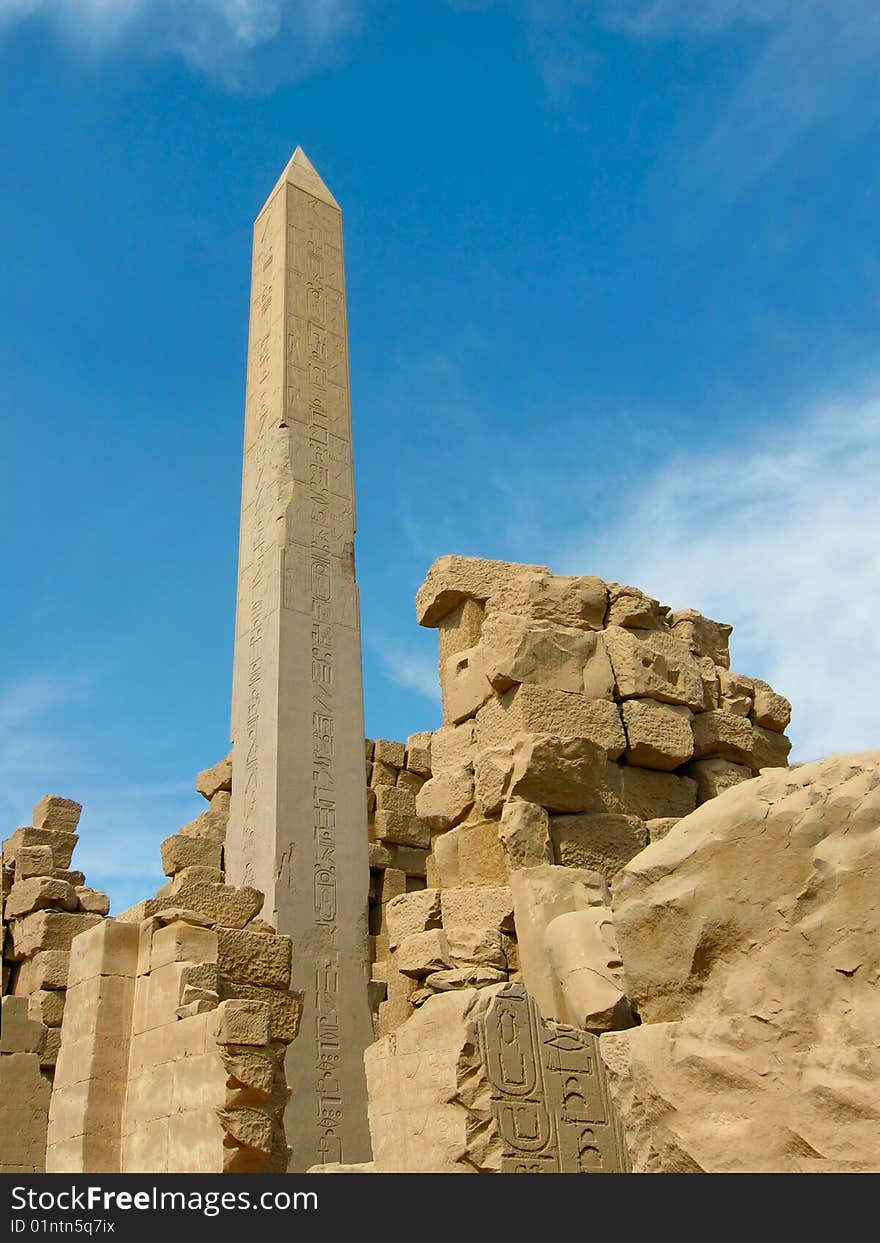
<point x="749" y="940"/>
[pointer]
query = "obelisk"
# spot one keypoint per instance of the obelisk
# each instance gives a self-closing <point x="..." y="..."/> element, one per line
<point x="298" y="828"/>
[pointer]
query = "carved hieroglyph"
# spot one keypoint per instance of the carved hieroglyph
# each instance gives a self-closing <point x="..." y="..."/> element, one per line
<point x="548" y="1092"/>
<point x="297" y="827"/>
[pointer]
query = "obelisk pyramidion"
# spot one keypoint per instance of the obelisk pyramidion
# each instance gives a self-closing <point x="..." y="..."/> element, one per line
<point x="298" y="827"/>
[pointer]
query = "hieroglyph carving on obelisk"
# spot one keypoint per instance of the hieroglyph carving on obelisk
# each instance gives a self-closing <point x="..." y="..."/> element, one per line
<point x="298" y="828"/>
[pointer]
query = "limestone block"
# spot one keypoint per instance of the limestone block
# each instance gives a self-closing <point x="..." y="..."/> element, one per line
<point x="187" y="877"/>
<point x="179" y="852"/>
<point x="233" y="906"/>
<point x="210" y="824"/>
<point x="412" y="912"/>
<point x="253" y="1070"/>
<point x="184" y="942"/>
<point x="658" y="735"/>
<point x="464" y="684"/>
<point x="480" y="857"/>
<point x="714" y="776"/>
<point x="382" y="856"/>
<point x="40" y="893"/>
<point x="51" y="1048"/>
<point x="24" y="1110"/>
<point x="771" y="711"/>
<point x="248" y="1128"/>
<point x="391" y="1015"/>
<point x="243" y="1022"/>
<point x="724" y="734"/>
<point x="540" y="895"/>
<point x="477" y="906"/>
<point x="737" y="692"/>
<point x="393" y="884"/>
<point x="480" y="947"/>
<point x="58" y="814"/>
<point x="749" y="937"/>
<point x="556" y="773"/>
<point x="92" y="900"/>
<point x="453" y="746"/>
<point x="19" y="1032"/>
<point x="444" y="859"/>
<point x="403" y="829"/>
<point x="710" y="675"/>
<point x="382" y="774"/>
<point x="492" y="770"/>
<point x="212" y="780"/>
<point x="33" y="861"/>
<point x="523" y="649"/>
<point x="418" y="749"/>
<point x="652" y="664"/>
<point x="452" y="580"/>
<point x="769" y="749"/>
<point x="599" y="843"/>
<point x="411" y="860"/>
<point x="60" y="843"/>
<point x="578" y="601"/>
<point x="48" y="930"/>
<point x="470" y="976"/>
<point x="444" y="800"/>
<point x="46" y="969"/>
<point x="97" y="1010"/>
<point x="524" y="835"/>
<point x="657" y="829"/>
<point x="254" y="958"/>
<point x="387" y="752"/>
<point x="285" y="1007"/>
<point x="394" y="798"/>
<point x="629" y="607"/>
<point x="46" y="1006"/>
<point x="411" y="782"/>
<point x="537" y="710"/>
<point x="703" y="636"/>
<point x="459" y="629"/>
<point x="584" y="959"/>
<point x="420" y="953"/>
<point x="643" y="792"/>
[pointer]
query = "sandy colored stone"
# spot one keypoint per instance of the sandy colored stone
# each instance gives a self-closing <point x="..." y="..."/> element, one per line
<point x="243" y="1022"/>
<point x="211" y="824"/>
<point x="412" y="912"/>
<point x="492" y="770"/>
<point x="402" y="828"/>
<point x="481" y="947"/>
<point x="48" y="930"/>
<point x="556" y="773"/>
<point x="537" y="710"/>
<point x="724" y="734"/>
<point x="657" y="829"/>
<point x="658" y="735"/>
<point x="395" y="798"/>
<point x="770" y="711"/>
<point x="714" y="776"/>
<point x="652" y="664"/>
<point x="47" y="1006"/>
<point x="769" y="749"/>
<point x="179" y="852"/>
<point x="445" y="800"/>
<point x="471" y="976"/>
<point x="584" y="959"/>
<point x="33" y="861"/>
<point x="60" y="815"/>
<point x="749" y="937"/>
<point x="40" y="893"/>
<point x="451" y="580"/>
<point x="212" y="780"/>
<point x="254" y="958"/>
<point x="187" y="877"/>
<point x="92" y="900"/>
<point x="61" y="844"/>
<point x="643" y="792"/>
<point x="524" y="835"/>
<point x="480" y="858"/>
<point x="704" y="636"/>
<point x="388" y="752"/>
<point x="420" y="953"/>
<point x="578" y="601"/>
<point x="231" y="906"/>
<point x="46" y="969"/>
<point x="418" y="751"/>
<point x="477" y="906"/>
<point x="19" y="1032"/>
<point x="736" y="693"/>
<point x="464" y="685"/>
<point x="524" y="649"/>
<point x="599" y="843"/>
<point x="627" y="606"/>
<point x="459" y="629"/>
<point x="453" y="746"/>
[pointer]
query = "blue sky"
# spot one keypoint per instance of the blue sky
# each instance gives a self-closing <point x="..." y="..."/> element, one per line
<point x="614" y="297"/>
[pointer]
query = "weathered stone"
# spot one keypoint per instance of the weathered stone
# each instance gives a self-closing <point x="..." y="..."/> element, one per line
<point x="651" y="664"/>
<point x="47" y="1006"/>
<point x="736" y="693"/>
<point x="471" y="976"/>
<point x="451" y="580"/>
<point x="453" y="746"/>
<point x="771" y="711"/>
<point x="411" y="860"/>
<point x="48" y="930"/>
<point x="412" y="912"/>
<point x="179" y="852"/>
<point x="411" y="782"/>
<point x="19" y="1033"/>
<point x="658" y="735"/>
<point x="40" y="893"/>
<point x="537" y="710"/>
<point x="418" y="753"/>
<point x="524" y="649"/>
<point x="61" y="844"/>
<point x="492" y="771"/>
<point x="187" y="877"/>
<point x="480" y="857"/>
<point x="46" y="969"/>
<point x="212" y="780"/>
<point x="524" y="835"/>
<point x="769" y="749"/>
<point x="394" y="798"/>
<point x="749" y="938"/>
<point x="254" y="958"/>
<point x="33" y="861"/>
<point x="714" y="776"/>
<point x="464" y="684"/>
<point x="459" y="630"/>
<point x="402" y="829"/>
<point x="657" y="829"/>
<point x="92" y="900"/>
<point x="584" y="959"/>
<point x="444" y="801"/>
<point x="477" y="906"/>
<point x="723" y="734"/>
<point x="420" y="953"/>
<point x="211" y="825"/>
<point x="388" y="752"/>
<point x="704" y="636"/>
<point x="285" y="1007"/>
<point x="243" y="1022"/>
<point x="481" y="947"/>
<point x="599" y="843"/>
<point x="627" y="606"/>
<point x="60" y="815"/>
<point x="567" y="601"/>
<point x="230" y="905"/>
<point x="557" y="773"/>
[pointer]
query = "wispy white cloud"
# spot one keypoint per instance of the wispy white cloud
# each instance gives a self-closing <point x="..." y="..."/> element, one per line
<point x="405" y="666"/>
<point x="777" y="536"/>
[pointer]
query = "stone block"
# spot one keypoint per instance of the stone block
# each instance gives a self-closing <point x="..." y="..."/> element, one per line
<point x="98" y="1008"/>
<point x="470" y="976"/>
<point x="402" y="829"/>
<point x="452" y="747"/>
<point x="211" y="781"/>
<point x="653" y="664"/>
<point x="242" y="1021"/>
<point x="391" y="1015"/>
<point x="459" y="629"/>
<point x="444" y="801"/>
<point x="522" y="649"/>
<point x="285" y="1008"/>
<point x="538" y="710"/>
<point x="19" y="1032"/>
<point x="481" y="947"/>
<point x="412" y="912"/>
<point x="382" y="775"/>
<point x="480" y="857"/>
<point x="47" y="969"/>
<point x="411" y="860"/>
<point x="723" y="734"/>
<point x="254" y="958"/>
<point x="387" y="752"/>
<point x="231" y="906"/>
<point x="770" y="711"/>
<point x="60" y="843"/>
<point x="492" y="770"/>
<point x="181" y="941"/>
<point x="420" y="953"/>
<point x="769" y="749"/>
<point x="584" y="959"/>
<point x="39" y="893"/>
<point x="451" y="580"/>
<point x="477" y="906"/>
<point x="464" y="685"/>
<point x="418" y="752"/>
<point x="631" y="608"/>
<point x="714" y="776"/>
<point x="47" y="1006"/>
<point x="48" y="930"/>
<point x="394" y="798"/>
<point x="598" y="843"/>
<point x="179" y="852"/>
<point x="704" y="636"/>
<point x="33" y="861"/>
<point x="107" y="948"/>
<point x="556" y="773"/>
<point x="657" y="829"/>
<point x="58" y="814"/>
<point x="658" y="735"/>
<point x="643" y="792"/>
<point x="524" y="835"/>
<point x="579" y="601"/>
